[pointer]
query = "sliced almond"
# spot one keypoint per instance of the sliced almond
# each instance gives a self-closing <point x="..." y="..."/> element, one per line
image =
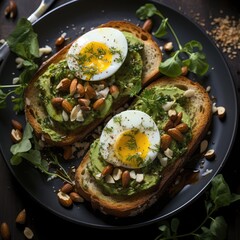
<point x="139" y="177"/>
<point x="117" y="174"/>
<point x="168" y="46"/>
<point x="28" y="233"/>
<point x="109" y="179"/>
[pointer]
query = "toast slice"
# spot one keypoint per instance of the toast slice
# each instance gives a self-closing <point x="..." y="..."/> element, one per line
<point x="53" y="133"/>
<point x="198" y="108"/>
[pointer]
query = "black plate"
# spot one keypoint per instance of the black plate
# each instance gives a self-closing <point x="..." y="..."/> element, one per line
<point x="72" y="18"/>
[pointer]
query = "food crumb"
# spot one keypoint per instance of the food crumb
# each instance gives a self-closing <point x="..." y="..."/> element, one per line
<point x="225" y="31"/>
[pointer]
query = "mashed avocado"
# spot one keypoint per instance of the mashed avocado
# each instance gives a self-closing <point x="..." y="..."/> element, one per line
<point x="127" y="79"/>
<point x="151" y="101"/>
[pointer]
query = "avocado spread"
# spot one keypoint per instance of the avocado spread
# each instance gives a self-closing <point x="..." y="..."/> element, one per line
<point x="80" y="106"/>
<point x="156" y="102"/>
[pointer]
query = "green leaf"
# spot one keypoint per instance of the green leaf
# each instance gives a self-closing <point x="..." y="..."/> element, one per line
<point x="220" y="193"/>
<point x="193" y="45"/>
<point x="23" y="146"/>
<point x="218" y="228"/>
<point x="171" y="67"/>
<point x="23" y="40"/>
<point x="174" y="225"/>
<point x="162" y="30"/>
<point x="165" y="230"/>
<point x="198" y="64"/>
<point x="146" y="11"/>
<point x="33" y="156"/>
<point x="16" y="159"/>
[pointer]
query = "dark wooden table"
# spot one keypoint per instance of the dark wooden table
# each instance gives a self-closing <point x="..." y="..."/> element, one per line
<point x="44" y="224"/>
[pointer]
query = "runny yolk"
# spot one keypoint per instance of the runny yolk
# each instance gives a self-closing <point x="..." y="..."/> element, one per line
<point x="95" y="58"/>
<point x="131" y="147"/>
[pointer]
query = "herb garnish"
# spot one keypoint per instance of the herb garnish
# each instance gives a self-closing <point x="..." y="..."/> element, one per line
<point x="24" y="43"/>
<point x="218" y="196"/>
<point x="29" y="149"/>
<point x="190" y="55"/>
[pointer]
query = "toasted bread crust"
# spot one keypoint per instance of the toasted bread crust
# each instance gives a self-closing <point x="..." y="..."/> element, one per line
<point x="35" y="110"/>
<point x="201" y="109"/>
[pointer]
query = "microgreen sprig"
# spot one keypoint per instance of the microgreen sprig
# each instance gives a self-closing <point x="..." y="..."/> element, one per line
<point x="218" y="196"/>
<point x="189" y="54"/>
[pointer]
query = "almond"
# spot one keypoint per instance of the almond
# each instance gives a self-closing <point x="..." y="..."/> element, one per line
<point x="16" y="135"/>
<point x="64" y="85"/>
<point x="147" y="26"/>
<point x="73" y="87"/>
<point x="107" y="170"/>
<point x="182" y="127"/>
<point x="178" y="119"/>
<point x="28" y="233"/>
<point x="168" y="125"/>
<point x="67" y="188"/>
<point x="98" y="103"/>
<point x="67" y="106"/>
<point x="176" y="134"/>
<point x="17" y="125"/>
<point x="64" y="199"/>
<point x="5" y="231"/>
<point x="125" y="178"/>
<point x="80" y="90"/>
<point x="67" y="152"/>
<point x="76" y="197"/>
<point x="21" y="217"/>
<point x="165" y="141"/>
<point x="57" y="102"/>
<point x="89" y="91"/>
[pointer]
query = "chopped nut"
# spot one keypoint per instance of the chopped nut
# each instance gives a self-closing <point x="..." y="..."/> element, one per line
<point x="139" y="177"/>
<point x="5" y="231"/>
<point x="28" y="233"/>
<point x="21" y="217"/>
<point x="117" y="173"/>
<point x="64" y="199"/>
<point x="76" y="197"/>
<point x="147" y="26"/>
<point x="11" y="9"/>
<point x="221" y="111"/>
<point x="67" y="188"/>
<point x="168" y="46"/>
<point x="16" y="135"/>
<point x="210" y="154"/>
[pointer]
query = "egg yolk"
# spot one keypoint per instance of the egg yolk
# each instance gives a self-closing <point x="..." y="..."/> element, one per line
<point x="131" y="147"/>
<point x="95" y="58"/>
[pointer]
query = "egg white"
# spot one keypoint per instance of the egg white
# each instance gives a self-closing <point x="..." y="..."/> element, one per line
<point x="112" y="38"/>
<point x="122" y="122"/>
